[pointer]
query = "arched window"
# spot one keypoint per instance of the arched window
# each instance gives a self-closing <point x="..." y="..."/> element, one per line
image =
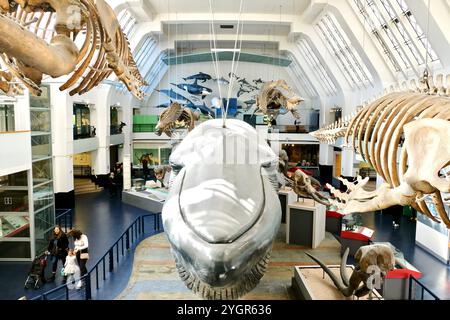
<point x="396" y="30"/>
<point x="339" y="45"/>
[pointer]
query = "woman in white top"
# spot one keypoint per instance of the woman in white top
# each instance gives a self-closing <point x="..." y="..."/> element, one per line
<point x="81" y="249"/>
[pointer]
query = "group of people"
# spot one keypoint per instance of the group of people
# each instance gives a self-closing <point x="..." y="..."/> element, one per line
<point x="74" y="257"/>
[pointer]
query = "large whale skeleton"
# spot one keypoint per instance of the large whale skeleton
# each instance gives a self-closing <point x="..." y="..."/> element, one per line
<point x="222" y="213"/>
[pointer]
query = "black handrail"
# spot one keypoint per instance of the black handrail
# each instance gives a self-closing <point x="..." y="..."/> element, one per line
<point x="423" y="289"/>
<point x="64" y="218"/>
<point x="128" y="237"/>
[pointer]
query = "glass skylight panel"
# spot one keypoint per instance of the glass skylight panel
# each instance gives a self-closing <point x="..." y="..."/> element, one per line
<point x="316" y="65"/>
<point x="339" y="44"/>
<point x="395" y="28"/>
<point x="299" y="72"/>
<point x="127" y="22"/>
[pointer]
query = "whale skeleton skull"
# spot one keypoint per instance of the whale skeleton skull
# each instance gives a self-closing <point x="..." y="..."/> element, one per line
<point x="222" y="213"/>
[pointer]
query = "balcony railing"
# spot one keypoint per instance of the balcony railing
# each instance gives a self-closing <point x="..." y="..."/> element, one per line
<point x="294" y="129"/>
<point x="115" y="129"/>
<point x="83" y="132"/>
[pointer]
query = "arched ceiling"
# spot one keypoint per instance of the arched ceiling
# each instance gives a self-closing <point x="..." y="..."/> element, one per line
<point x="335" y="50"/>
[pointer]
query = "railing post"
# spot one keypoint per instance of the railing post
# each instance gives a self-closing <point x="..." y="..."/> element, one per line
<point x="111" y="260"/>
<point x="87" y="280"/>
<point x="143" y="225"/>
<point x="410" y="288"/>
<point x="127" y="239"/>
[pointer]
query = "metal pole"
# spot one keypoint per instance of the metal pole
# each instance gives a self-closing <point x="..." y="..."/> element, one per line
<point x="127" y="240"/>
<point x="88" y="287"/>
<point x="111" y="260"/>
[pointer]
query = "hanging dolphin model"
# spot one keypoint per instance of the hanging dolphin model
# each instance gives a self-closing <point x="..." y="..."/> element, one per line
<point x="173" y="94"/>
<point x="242" y="91"/>
<point x="258" y="81"/>
<point x="221" y="230"/>
<point x="194" y="88"/>
<point x="164" y="105"/>
<point x="201" y="107"/>
<point x="222" y="80"/>
<point x="203" y="77"/>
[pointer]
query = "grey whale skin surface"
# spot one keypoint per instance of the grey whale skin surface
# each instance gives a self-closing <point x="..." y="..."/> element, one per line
<point x="222" y="215"/>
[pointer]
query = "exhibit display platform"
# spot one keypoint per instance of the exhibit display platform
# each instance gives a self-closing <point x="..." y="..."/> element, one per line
<point x="149" y="199"/>
<point x="355" y="239"/>
<point x="154" y="275"/>
<point x="311" y="283"/>
<point x="286" y="196"/>
<point x="305" y="223"/>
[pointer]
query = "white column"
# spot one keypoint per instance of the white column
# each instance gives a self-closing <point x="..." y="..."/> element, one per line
<point x="348" y="156"/>
<point x="127" y="118"/>
<point x="62" y="139"/>
<point x="326" y="154"/>
<point x="100" y="119"/>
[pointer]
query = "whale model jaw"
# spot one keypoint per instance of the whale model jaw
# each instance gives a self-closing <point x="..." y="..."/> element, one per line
<point x="221" y="220"/>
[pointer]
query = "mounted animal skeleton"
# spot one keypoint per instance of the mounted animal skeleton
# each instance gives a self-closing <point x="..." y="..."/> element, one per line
<point x="78" y="38"/>
<point x="419" y="124"/>
<point x="372" y="261"/>
<point x="176" y="117"/>
<point x="277" y="97"/>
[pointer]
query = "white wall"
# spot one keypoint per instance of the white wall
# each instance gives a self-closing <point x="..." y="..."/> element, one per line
<point x="248" y="70"/>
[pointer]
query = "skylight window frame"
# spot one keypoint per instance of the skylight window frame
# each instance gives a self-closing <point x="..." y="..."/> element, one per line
<point x="300" y="73"/>
<point x="310" y="56"/>
<point x="350" y="63"/>
<point x="407" y="41"/>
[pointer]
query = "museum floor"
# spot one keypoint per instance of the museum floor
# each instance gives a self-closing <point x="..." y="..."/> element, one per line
<point x="104" y="219"/>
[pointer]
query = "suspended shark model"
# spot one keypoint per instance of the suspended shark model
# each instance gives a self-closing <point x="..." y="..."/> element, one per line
<point x="173" y="95"/>
<point x="203" y="77"/>
<point x="194" y="88"/>
<point x="222" y="80"/>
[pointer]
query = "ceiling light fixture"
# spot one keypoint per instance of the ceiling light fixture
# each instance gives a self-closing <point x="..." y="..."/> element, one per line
<point x="225" y="50"/>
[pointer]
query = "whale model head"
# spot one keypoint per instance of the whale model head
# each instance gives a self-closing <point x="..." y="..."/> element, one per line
<point x="222" y="213"/>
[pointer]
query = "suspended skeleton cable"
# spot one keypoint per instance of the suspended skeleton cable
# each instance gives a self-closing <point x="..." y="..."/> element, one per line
<point x="213" y="49"/>
<point x="427" y="49"/>
<point x="233" y="70"/>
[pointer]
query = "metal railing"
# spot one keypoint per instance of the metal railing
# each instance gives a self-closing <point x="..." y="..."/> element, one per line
<point x="105" y="264"/>
<point x="413" y="280"/>
<point x="64" y="218"/>
<point x="83" y="132"/>
<point x="115" y="129"/>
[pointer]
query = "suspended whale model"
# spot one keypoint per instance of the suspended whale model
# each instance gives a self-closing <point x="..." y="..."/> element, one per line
<point x="173" y="94"/>
<point x="194" y="88"/>
<point x="221" y="231"/>
<point x="203" y="77"/>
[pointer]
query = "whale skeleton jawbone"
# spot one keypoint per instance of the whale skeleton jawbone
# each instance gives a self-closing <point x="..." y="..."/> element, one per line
<point x="246" y="283"/>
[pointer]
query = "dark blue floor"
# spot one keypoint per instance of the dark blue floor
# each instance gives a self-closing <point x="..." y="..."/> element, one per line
<point x="104" y="219"/>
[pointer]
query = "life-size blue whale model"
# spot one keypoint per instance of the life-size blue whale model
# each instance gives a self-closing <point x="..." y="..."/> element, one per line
<point x="220" y="229"/>
<point x="194" y="88"/>
<point x="203" y="77"/>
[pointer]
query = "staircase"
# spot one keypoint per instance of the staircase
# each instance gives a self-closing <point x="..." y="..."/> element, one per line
<point x="83" y="186"/>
